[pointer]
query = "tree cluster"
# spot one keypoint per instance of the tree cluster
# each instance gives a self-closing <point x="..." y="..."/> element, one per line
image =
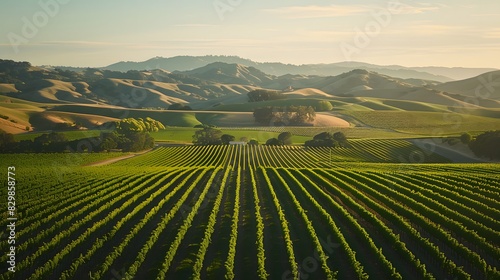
<point x="129" y="135"/>
<point x="50" y="142"/>
<point x="284" y="138"/>
<point x="128" y="142"/>
<point x="264" y="95"/>
<point x="280" y="116"/>
<point x="327" y="139"/>
<point x="487" y="145"/>
<point x="207" y="136"/>
<point x="55" y="142"/>
<point x="128" y="125"/>
<point x="179" y="106"/>
<point x="210" y="135"/>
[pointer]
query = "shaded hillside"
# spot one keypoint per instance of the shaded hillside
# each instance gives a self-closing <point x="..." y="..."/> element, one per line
<point x="357" y="80"/>
<point x="151" y="94"/>
<point x="485" y="86"/>
<point x="456" y="73"/>
<point x="54" y="91"/>
<point x="133" y="89"/>
<point x="224" y="73"/>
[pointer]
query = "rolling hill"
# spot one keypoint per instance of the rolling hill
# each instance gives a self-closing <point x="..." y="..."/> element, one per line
<point x="54" y="91"/>
<point x="37" y="98"/>
<point x="485" y="86"/>
<point x="225" y="73"/>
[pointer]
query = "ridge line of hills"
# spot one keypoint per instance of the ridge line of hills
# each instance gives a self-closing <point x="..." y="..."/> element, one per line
<point x="186" y="63"/>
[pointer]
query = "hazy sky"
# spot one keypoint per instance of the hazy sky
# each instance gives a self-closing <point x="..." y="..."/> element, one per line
<point x="403" y="32"/>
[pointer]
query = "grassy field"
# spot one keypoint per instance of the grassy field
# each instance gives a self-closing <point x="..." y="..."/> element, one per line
<point x="261" y="212"/>
<point x="425" y="123"/>
<point x="185" y="135"/>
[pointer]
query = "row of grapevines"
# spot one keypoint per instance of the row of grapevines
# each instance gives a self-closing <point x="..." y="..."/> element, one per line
<point x="395" y="218"/>
<point x="50" y="266"/>
<point x="141" y="256"/>
<point x="390" y="270"/>
<point x="212" y="219"/>
<point x="184" y="228"/>
<point x="322" y="256"/>
<point x="382" y="193"/>
<point x="474" y="220"/>
<point x="61" y="235"/>
<point x="472" y="197"/>
<point x="55" y="210"/>
<point x="261" y="255"/>
<point x="367" y="215"/>
<point x="284" y="226"/>
<point x="417" y="212"/>
<point x="176" y="174"/>
<point x="229" y="264"/>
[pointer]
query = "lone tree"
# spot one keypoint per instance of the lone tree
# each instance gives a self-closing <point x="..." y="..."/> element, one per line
<point x="466" y="138"/>
<point x="226" y="138"/>
<point x="207" y="136"/>
<point x="285" y="138"/>
<point x="253" y="142"/>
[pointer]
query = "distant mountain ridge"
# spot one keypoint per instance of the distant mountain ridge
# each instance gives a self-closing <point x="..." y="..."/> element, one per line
<point x="187" y="63"/>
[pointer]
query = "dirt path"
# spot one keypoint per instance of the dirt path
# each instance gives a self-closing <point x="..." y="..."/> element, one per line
<point x="115" y="159"/>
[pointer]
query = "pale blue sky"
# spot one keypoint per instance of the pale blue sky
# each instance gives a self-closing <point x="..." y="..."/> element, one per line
<point x="98" y="33"/>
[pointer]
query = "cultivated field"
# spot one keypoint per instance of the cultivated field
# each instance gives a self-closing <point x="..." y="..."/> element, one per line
<point x="260" y="212"/>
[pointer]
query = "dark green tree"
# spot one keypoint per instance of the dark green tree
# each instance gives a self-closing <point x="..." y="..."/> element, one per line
<point x="264" y="115"/>
<point x="341" y="139"/>
<point x="52" y="142"/>
<point x="487" y="145"/>
<point x="273" y="142"/>
<point x="253" y="142"/>
<point x="323" y="136"/>
<point x="207" y="136"/>
<point x="324" y="139"/>
<point x="109" y="141"/>
<point x="226" y="138"/>
<point x="466" y="138"/>
<point x="6" y="140"/>
<point x="285" y="138"/>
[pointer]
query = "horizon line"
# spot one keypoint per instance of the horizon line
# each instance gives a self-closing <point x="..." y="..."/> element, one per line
<point x="258" y="62"/>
